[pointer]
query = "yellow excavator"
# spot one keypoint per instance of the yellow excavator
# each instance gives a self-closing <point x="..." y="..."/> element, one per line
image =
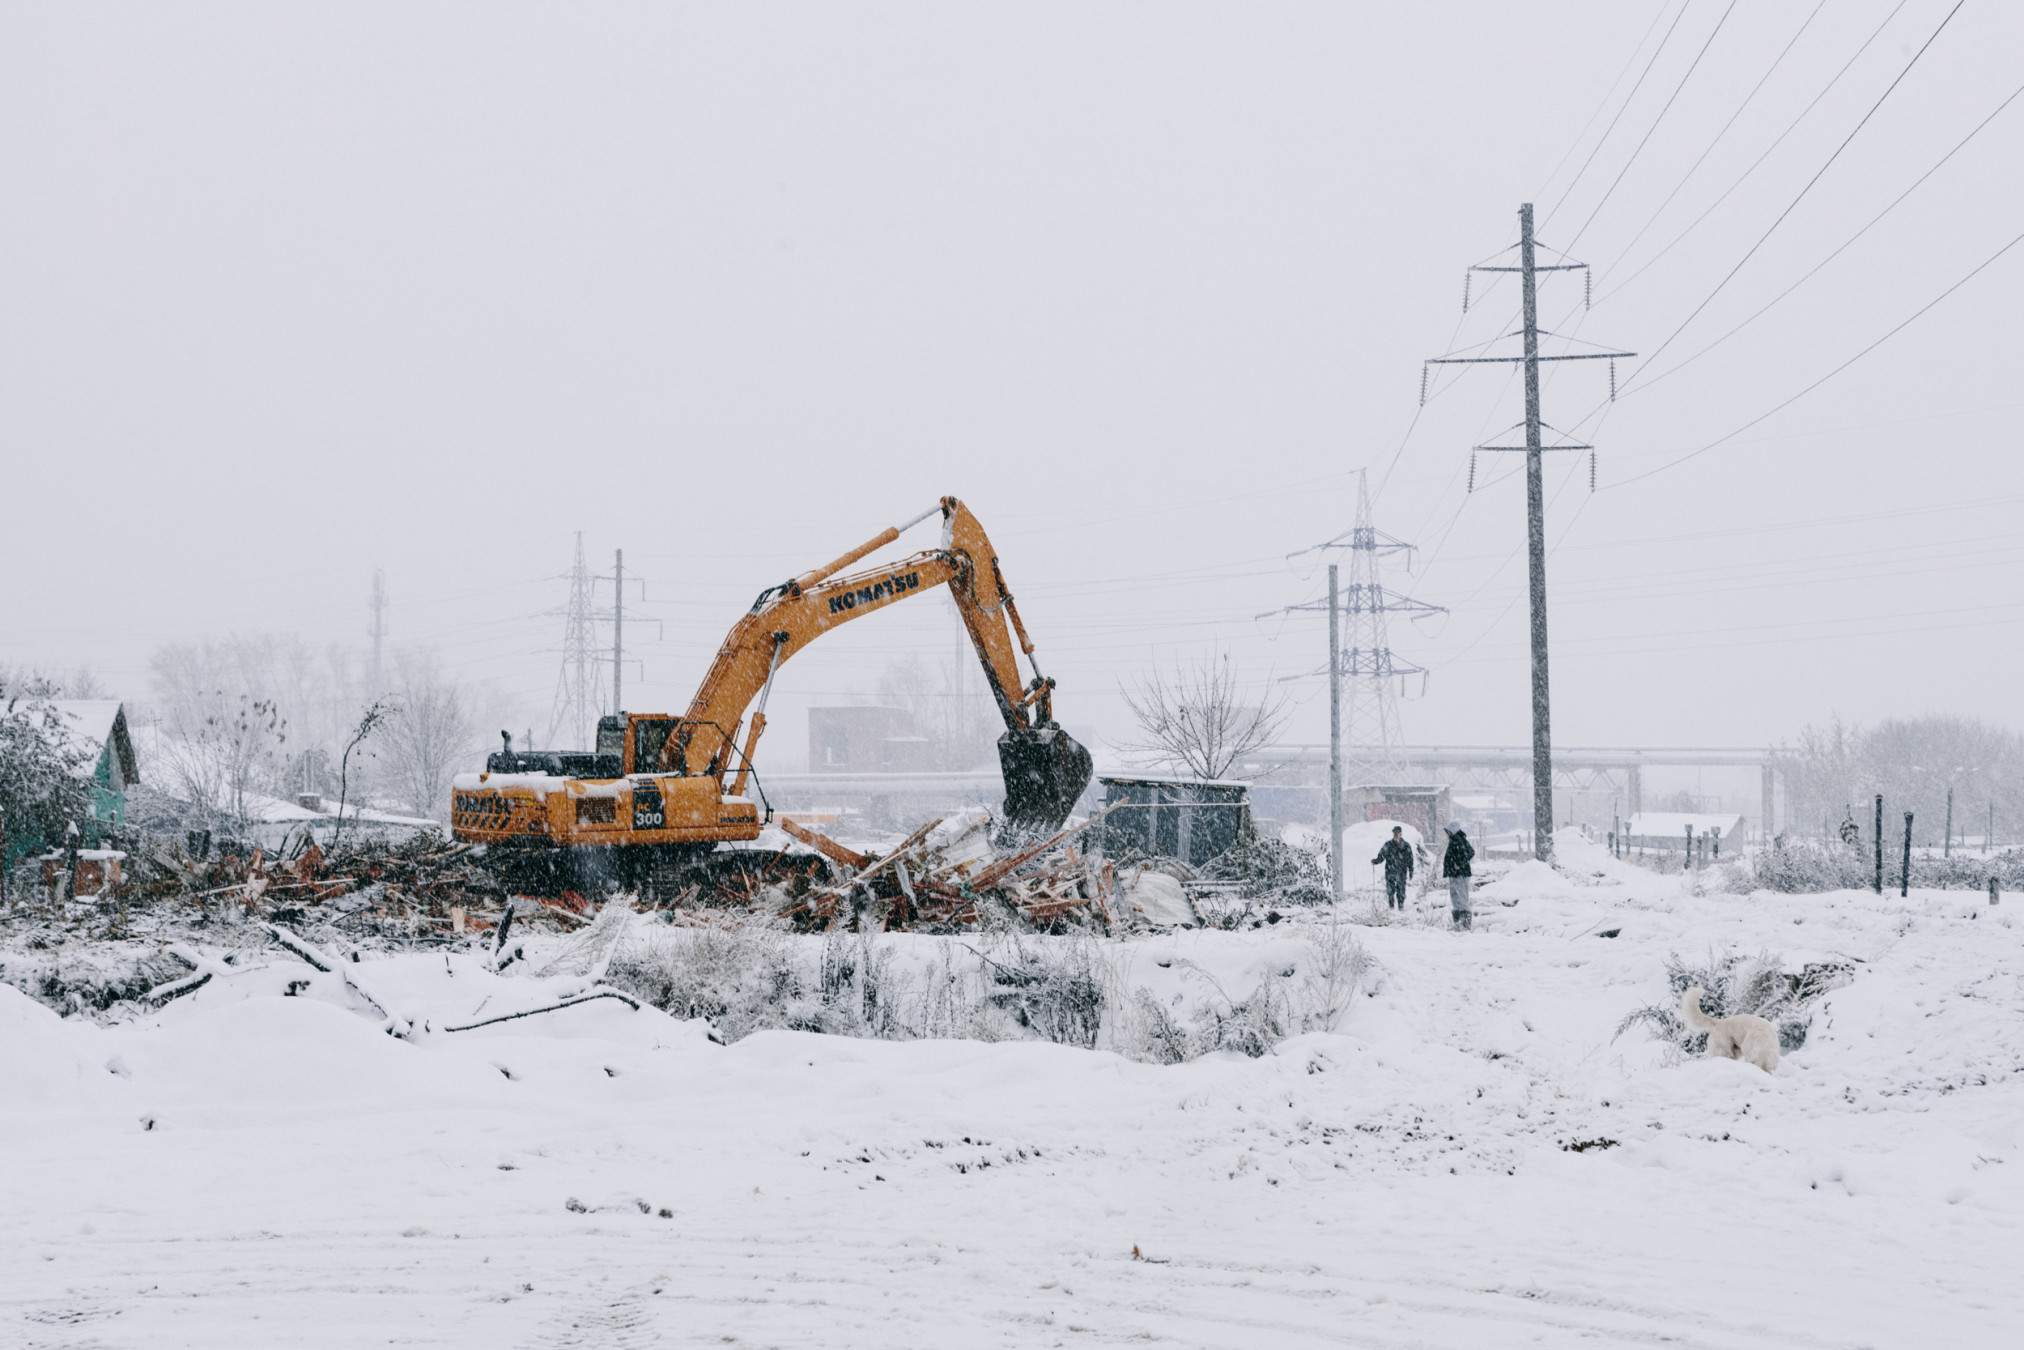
<point x="660" y="790"/>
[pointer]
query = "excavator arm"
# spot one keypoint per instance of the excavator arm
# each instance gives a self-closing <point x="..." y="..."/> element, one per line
<point x="1045" y="769"/>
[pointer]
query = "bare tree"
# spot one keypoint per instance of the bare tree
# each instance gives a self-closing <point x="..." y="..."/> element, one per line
<point x="1197" y="721"/>
<point x="372" y="719"/>
<point x="430" y="735"/>
<point x="1914" y="763"/>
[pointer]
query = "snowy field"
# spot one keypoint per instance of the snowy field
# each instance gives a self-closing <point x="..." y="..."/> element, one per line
<point x="253" y="1169"/>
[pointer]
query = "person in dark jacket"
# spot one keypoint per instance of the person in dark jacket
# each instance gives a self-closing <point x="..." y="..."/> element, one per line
<point x="1455" y="867"/>
<point x="1397" y="857"/>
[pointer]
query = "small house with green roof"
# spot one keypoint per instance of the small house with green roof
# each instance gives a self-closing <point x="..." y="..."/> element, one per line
<point x="98" y="727"/>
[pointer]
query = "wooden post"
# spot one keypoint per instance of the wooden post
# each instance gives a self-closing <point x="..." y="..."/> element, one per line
<point x="1995" y="890"/>
<point x="1905" y="877"/>
<point x="1687" y="864"/>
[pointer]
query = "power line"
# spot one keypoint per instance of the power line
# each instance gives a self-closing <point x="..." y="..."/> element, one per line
<point x="1658" y="13"/>
<point x="1758" y="162"/>
<point x="1628" y="99"/>
<point x="1694" y="168"/>
<point x="1692" y="66"/>
<point x="1844" y="246"/>
<point x="1794" y="203"/>
<point x="1985" y="263"/>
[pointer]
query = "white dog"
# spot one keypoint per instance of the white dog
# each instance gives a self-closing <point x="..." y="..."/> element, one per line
<point x="1744" y="1037"/>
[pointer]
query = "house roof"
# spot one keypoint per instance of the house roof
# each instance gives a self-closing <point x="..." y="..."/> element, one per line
<point x="101" y="724"/>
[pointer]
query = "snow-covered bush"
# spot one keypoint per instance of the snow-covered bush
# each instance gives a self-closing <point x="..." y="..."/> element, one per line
<point x="751" y="976"/>
<point x="42" y="784"/>
<point x="741" y="977"/>
<point x="1272" y="871"/>
<point x="1052" y="987"/>
<point x="860" y="994"/>
<point x="87" y="978"/>
<point x="1804" y="867"/>
<point x="1733" y="984"/>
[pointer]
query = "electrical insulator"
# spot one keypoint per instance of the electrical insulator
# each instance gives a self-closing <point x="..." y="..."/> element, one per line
<point x="1472" y="471"/>
<point x="1591" y="471"/>
<point x="1612" y="381"/>
<point x="1466" y="276"/>
<point x="1587" y="288"/>
<point x="1423" y="384"/>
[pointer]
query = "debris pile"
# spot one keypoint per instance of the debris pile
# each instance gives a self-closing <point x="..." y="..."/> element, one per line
<point x="947" y="875"/>
<point x="421" y="890"/>
<point x="953" y="874"/>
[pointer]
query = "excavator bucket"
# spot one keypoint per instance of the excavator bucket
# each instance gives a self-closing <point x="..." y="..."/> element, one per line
<point x="1045" y="771"/>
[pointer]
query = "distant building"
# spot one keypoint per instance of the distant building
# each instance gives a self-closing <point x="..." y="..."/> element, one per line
<point x="867" y="739"/>
<point x="1193" y="819"/>
<point x="1425" y="807"/>
<point x="98" y="727"/>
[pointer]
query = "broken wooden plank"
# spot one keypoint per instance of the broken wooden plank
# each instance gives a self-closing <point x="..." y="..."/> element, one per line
<point x="823" y="844"/>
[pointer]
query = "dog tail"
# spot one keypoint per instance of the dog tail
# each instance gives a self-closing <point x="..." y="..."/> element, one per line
<point x="1690" y="1004"/>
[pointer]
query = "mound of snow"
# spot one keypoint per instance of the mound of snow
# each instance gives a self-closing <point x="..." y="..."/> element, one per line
<point x="1527" y="880"/>
<point x="1360" y="842"/>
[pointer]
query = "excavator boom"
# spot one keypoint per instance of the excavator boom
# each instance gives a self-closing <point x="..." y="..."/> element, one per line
<point x="1044" y="768"/>
<point x="657" y="782"/>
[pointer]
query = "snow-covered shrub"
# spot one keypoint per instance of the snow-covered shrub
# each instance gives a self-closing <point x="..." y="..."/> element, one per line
<point x="91" y="979"/>
<point x="739" y="976"/>
<point x="1334" y="972"/>
<point x="1146" y="1030"/>
<point x="1052" y="987"/>
<point x="1807" y="867"/>
<point x="1734" y="984"/>
<point x="860" y="994"/>
<point x="1272" y="870"/>
<point x="42" y="786"/>
<point x="1804" y="867"/>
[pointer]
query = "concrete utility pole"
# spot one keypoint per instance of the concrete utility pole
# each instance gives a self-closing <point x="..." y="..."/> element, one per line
<point x="1528" y="269"/>
<point x="1335" y="872"/>
<point x="1535" y="537"/>
<point x="618" y="631"/>
<point x="379" y="627"/>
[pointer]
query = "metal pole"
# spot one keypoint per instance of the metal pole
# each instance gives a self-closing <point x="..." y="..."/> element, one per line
<point x="1535" y="510"/>
<point x="1334" y="735"/>
<point x="1879" y="843"/>
<point x="618" y="632"/>
<point x="1947" y="846"/>
<point x="1905" y="878"/>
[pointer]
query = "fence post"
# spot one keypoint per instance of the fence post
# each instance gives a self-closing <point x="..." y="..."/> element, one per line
<point x="1687" y="863"/>
<point x="1905" y="878"/>
<point x="1879" y="843"/>
<point x="1995" y="890"/>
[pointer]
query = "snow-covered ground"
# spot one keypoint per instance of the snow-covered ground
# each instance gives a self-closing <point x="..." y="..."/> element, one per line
<point x="253" y="1169"/>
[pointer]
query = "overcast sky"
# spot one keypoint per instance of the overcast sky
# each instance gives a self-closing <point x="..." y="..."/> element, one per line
<point x="288" y="293"/>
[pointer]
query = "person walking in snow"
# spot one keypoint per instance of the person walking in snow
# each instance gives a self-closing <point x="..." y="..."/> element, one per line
<point x="1397" y="856"/>
<point x="1455" y="867"/>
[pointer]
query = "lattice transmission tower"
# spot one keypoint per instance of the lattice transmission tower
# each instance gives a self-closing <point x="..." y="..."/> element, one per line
<point x="574" y="715"/>
<point x="1373" y="675"/>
